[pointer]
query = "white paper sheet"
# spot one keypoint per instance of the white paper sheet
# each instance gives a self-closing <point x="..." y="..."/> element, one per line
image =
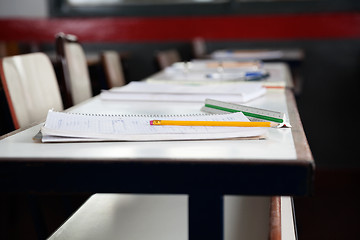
<point x="69" y="127"/>
<point x="236" y="92"/>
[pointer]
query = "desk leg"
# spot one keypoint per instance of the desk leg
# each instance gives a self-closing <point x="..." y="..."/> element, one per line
<point x="206" y="217"/>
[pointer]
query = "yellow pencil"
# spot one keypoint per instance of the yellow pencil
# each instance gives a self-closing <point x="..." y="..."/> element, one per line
<point x="213" y="123"/>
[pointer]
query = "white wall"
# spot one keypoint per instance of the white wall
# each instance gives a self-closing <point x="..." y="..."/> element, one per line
<point x="23" y="8"/>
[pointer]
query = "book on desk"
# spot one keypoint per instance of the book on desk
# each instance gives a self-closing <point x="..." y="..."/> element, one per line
<point x="146" y="91"/>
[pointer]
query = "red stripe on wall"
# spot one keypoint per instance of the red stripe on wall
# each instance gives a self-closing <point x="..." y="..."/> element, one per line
<point x="154" y="29"/>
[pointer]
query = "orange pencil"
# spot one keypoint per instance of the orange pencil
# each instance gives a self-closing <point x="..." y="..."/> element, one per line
<point x="213" y="123"/>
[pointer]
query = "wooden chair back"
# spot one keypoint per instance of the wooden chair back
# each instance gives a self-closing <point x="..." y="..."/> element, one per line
<point x="75" y="79"/>
<point x="167" y="58"/>
<point x="113" y="69"/>
<point x="30" y="86"/>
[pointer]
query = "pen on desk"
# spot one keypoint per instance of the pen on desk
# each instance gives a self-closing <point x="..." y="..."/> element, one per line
<point x="251" y="76"/>
<point x="247" y="76"/>
<point x="213" y="123"/>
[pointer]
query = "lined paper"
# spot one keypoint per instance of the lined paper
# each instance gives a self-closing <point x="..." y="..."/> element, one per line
<point x="64" y="127"/>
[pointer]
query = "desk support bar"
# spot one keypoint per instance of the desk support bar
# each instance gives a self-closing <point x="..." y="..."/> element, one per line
<point x="206" y="217"/>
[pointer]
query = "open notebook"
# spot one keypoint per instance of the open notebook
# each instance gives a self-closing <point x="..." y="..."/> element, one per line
<point x="73" y="127"/>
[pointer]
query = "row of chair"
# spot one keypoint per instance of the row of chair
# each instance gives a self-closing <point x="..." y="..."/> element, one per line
<point x="32" y="87"/>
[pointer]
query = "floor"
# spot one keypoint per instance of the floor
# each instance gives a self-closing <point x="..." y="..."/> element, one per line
<point x="334" y="209"/>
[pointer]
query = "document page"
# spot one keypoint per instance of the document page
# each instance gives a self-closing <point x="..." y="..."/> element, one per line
<point x="235" y="92"/>
<point x="67" y="127"/>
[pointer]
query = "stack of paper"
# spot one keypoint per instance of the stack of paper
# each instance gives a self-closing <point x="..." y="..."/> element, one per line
<point x="210" y="71"/>
<point x="72" y="127"/>
<point x="144" y="91"/>
<point x="205" y="72"/>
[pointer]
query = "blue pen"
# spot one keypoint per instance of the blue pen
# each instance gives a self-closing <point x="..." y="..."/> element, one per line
<point x="247" y="76"/>
<point x="253" y="76"/>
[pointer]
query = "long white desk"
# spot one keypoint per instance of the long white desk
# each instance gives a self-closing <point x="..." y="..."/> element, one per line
<point x="285" y="151"/>
<point x="205" y="170"/>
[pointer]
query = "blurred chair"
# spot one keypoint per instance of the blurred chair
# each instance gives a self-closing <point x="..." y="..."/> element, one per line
<point x="198" y="47"/>
<point x="30" y="87"/>
<point x="167" y="58"/>
<point x="113" y="69"/>
<point x="74" y="74"/>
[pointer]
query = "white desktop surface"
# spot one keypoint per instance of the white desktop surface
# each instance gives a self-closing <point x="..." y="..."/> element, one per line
<point x="279" y="144"/>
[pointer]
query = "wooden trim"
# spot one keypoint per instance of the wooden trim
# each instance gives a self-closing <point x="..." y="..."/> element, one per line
<point x="8" y="97"/>
<point x="301" y="144"/>
<point x="341" y="25"/>
<point x="302" y="147"/>
<point x="275" y="218"/>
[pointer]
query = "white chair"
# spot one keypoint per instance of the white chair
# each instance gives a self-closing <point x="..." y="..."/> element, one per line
<point x="113" y="69"/>
<point x="30" y="86"/>
<point x="75" y="73"/>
